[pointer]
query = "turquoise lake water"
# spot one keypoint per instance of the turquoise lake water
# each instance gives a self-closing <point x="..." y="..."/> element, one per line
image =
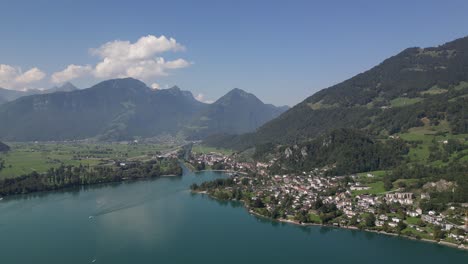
<point x="160" y="221"/>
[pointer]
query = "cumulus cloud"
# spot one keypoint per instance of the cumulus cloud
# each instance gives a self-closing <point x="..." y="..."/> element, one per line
<point x="155" y="86"/>
<point x="146" y="47"/>
<point x="140" y="69"/>
<point x="71" y="72"/>
<point x="14" y="78"/>
<point x="120" y="59"/>
<point x="201" y="97"/>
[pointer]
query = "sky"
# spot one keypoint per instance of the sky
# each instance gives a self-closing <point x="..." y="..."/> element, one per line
<point x="282" y="51"/>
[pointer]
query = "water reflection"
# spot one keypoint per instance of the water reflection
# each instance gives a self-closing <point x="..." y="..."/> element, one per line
<point x="325" y="229"/>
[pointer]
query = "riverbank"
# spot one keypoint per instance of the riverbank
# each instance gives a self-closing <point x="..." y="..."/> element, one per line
<point x="289" y="221"/>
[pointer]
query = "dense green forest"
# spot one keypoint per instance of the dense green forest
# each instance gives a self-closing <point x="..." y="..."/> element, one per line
<point x="72" y="176"/>
<point x="345" y="151"/>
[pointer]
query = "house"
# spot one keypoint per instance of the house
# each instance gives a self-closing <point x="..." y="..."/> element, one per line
<point x="428" y="218"/>
<point x="383" y="217"/>
<point x="425" y="196"/>
<point x="412" y="213"/>
<point x="359" y="188"/>
<point x="402" y="198"/>
<point x="447" y="227"/>
<point x="379" y="223"/>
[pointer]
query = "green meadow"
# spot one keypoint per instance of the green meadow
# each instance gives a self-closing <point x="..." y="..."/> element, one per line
<point x="28" y="157"/>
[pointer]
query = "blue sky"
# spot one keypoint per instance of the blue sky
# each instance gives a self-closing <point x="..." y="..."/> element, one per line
<point x="282" y="51"/>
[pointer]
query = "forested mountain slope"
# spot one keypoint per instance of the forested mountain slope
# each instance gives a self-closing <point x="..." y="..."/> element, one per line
<point x="414" y="88"/>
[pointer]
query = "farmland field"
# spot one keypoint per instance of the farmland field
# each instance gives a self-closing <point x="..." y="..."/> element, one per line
<point x="28" y="157"/>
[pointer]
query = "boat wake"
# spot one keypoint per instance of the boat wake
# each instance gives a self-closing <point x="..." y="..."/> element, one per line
<point x="116" y="206"/>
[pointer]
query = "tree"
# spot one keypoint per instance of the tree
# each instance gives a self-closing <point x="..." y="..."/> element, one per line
<point x="369" y="220"/>
<point x="301" y="216"/>
<point x="438" y="233"/>
<point x="318" y="204"/>
<point x="388" y="185"/>
<point x="200" y="166"/>
<point x="257" y="203"/>
<point x="400" y="226"/>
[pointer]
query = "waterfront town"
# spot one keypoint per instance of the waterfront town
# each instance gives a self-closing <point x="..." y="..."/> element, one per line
<point x="352" y="201"/>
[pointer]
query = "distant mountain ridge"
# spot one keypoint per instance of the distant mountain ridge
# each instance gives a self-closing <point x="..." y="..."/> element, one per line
<point x="7" y="95"/>
<point x="118" y="109"/>
<point x="236" y="112"/>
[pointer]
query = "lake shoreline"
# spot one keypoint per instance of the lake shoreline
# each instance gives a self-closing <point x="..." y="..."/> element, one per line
<point x="288" y="221"/>
<point x="224" y="171"/>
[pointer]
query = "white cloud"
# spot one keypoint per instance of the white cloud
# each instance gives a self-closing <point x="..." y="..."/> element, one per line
<point x="155" y="86"/>
<point x="201" y="97"/>
<point x="71" y="72"/>
<point x="138" y="60"/>
<point x="125" y="59"/>
<point x="146" y="47"/>
<point x="14" y="78"/>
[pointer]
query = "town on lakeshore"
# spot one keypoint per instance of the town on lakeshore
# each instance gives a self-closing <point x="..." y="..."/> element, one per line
<point x="233" y="131"/>
<point x="341" y="201"/>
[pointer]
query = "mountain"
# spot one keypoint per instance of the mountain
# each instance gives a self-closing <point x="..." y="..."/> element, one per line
<point x="122" y="109"/>
<point x="66" y="87"/>
<point x="4" y="147"/>
<point x="343" y="151"/>
<point x="7" y="95"/>
<point x="114" y="109"/>
<point x="415" y="88"/>
<point x="235" y="113"/>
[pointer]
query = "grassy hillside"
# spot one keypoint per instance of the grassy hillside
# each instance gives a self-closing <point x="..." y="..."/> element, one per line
<point x="415" y="88"/>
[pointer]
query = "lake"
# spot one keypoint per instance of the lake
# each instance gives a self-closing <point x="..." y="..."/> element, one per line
<point x="160" y="221"/>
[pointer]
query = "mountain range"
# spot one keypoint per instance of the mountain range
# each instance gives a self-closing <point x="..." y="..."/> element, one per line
<point x="122" y="109"/>
<point x="417" y="87"/>
<point x="7" y="95"/>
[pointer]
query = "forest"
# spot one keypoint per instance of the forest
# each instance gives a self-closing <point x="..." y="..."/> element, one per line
<point x="348" y="150"/>
<point x="73" y="176"/>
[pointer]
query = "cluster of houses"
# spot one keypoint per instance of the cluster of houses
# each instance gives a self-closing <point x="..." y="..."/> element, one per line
<point x="435" y="218"/>
<point x="211" y="158"/>
<point x="301" y="192"/>
<point x="401" y="198"/>
<point x="228" y="162"/>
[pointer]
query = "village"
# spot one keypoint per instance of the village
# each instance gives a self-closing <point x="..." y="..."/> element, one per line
<point x="313" y="198"/>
